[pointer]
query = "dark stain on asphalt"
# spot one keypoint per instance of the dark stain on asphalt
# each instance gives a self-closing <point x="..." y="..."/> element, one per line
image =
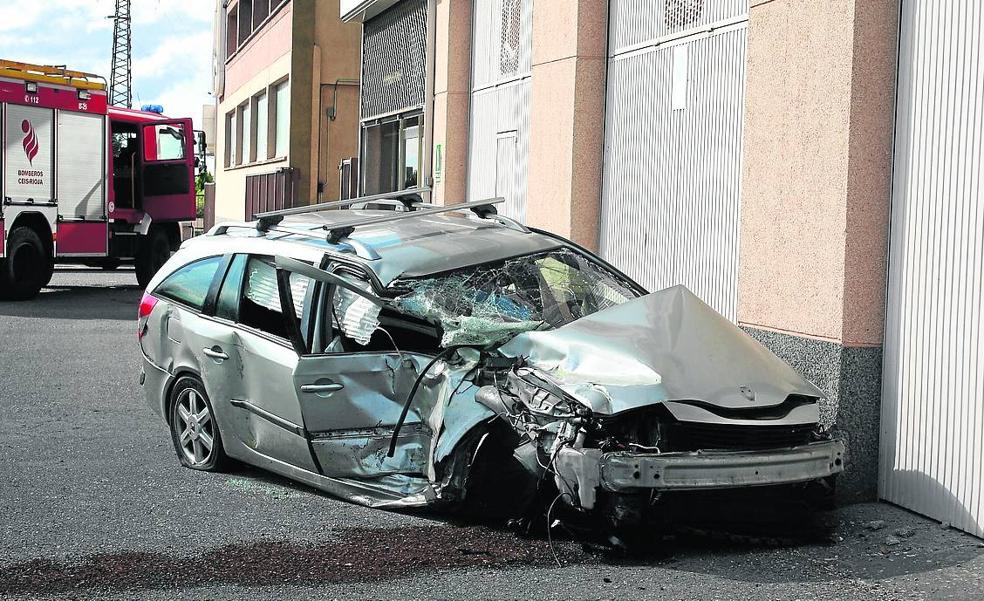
<point x="359" y="554"/>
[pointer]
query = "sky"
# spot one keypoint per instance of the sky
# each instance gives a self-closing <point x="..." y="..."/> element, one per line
<point x="172" y="45"/>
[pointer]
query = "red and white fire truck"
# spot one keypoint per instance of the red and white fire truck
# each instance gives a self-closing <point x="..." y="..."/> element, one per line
<point x="84" y="182"/>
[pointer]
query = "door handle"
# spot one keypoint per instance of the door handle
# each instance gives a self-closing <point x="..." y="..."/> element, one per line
<point x="218" y="355"/>
<point x="320" y="388"/>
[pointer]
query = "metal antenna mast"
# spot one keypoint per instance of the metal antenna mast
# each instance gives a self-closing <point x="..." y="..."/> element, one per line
<point x="120" y="78"/>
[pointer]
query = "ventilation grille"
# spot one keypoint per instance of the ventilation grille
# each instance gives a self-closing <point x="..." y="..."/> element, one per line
<point x="681" y="13"/>
<point x="690" y="436"/>
<point x="510" y="37"/>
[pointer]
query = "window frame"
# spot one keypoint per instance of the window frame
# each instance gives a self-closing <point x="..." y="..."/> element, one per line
<point x="273" y="113"/>
<point x="229" y="158"/>
<point x="397" y="170"/>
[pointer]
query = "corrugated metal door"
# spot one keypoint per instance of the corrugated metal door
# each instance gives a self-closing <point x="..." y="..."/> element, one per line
<point x="500" y="105"/>
<point x="673" y="143"/>
<point x="932" y="438"/>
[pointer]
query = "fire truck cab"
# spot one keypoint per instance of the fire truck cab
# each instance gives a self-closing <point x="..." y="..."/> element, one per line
<point x="83" y="182"/>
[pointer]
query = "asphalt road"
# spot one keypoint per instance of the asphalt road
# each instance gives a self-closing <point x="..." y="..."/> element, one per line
<point x="93" y="505"/>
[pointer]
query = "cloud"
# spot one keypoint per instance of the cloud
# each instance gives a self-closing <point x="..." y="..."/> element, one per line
<point x="175" y="52"/>
<point x="172" y="44"/>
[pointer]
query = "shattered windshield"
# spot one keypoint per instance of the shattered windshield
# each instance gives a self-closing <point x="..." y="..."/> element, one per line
<point x="490" y="303"/>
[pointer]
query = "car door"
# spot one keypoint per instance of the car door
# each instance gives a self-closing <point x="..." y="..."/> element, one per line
<point x="256" y="362"/>
<point x="351" y="393"/>
<point x="169" y="339"/>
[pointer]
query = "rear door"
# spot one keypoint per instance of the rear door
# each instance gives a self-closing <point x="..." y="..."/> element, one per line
<point x="257" y="361"/>
<point x="168" y="170"/>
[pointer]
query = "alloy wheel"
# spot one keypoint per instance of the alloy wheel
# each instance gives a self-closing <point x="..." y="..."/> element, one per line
<point x="196" y="428"/>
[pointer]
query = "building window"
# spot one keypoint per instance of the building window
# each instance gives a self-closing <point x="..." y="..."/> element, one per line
<point x="245" y="20"/>
<point x="391" y="152"/>
<point x="245" y="129"/>
<point x="261" y="109"/>
<point x="281" y="118"/>
<point x="261" y="8"/>
<point x="232" y="29"/>
<point x="230" y="139"/>
<point x="410" y="162"/>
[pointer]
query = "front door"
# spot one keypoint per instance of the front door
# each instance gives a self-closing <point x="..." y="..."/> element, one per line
<point x="167" y="179"/>
<point x="352" y="384"/>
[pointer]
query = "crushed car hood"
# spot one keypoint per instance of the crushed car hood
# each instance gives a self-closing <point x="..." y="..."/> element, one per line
<point x="665" y="346"/>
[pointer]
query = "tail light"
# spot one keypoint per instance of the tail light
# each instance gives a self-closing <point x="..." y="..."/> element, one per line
<point x="147" y="304"/>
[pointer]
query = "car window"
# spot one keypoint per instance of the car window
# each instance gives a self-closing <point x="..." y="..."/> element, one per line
<point x="259" y="306"/>
<point x="227" y="303"/>
<point x="189" y="285"/>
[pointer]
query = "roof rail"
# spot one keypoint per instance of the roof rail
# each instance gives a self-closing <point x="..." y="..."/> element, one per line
<point x="409" y="198"/>
<point x="361" y="250"/>
<point x="483" y="208"/>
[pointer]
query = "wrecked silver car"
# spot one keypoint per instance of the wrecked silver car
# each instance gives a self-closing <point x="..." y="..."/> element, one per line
<point x="405" y="357"/>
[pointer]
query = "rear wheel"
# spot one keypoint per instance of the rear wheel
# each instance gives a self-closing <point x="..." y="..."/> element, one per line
<point x="28" y="267"/>
<point x="154" y="251"/>
<point x="193" y="429"/>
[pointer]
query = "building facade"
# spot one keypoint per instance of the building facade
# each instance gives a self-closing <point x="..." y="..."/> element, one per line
<point x="781" y="158"/>
<point x="286" y="85"/>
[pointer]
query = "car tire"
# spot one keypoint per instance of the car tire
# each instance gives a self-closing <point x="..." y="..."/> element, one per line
<point x="194" y="431"/>
<point x="27" y="268"/>
<point x="154" y="251"/>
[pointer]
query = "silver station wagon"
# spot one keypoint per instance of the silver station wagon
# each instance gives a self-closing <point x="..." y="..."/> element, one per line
<point x="402" y="355"/>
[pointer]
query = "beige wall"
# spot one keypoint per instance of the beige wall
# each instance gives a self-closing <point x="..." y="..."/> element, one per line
<point x="265" y="48"/>
<point x="817" y="166"/>
<point x="230" y="184"/>
<point x="320" y="48"/>
<point x="325" y="50"/>
<point x="452" y="98"/>
<point x="567" y="117"/>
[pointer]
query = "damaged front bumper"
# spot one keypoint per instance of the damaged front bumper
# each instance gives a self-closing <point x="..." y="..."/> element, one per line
<point x="581" y="472"/>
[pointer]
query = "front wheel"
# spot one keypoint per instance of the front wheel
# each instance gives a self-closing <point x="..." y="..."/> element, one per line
<point x="154" y="251"/>
<point x="193" y="429"/>
<point x="28" y="267"/>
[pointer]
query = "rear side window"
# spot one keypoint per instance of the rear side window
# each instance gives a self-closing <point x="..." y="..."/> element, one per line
<point x="189" y="285"/>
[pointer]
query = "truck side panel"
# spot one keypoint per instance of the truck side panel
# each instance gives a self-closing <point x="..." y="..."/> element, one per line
<point x="81" y="185"/>
<point x="82" y="238"/>
<point x="29" y="136"/>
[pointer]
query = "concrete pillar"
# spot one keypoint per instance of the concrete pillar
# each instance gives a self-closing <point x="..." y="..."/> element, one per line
<point x="815" y="208"/>
<point x="567" y="119"/>
<point x="452" y="96"/>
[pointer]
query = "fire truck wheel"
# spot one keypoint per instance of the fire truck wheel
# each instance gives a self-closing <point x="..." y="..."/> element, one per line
<point x="154" y="251"/>
<point x="28" y="267"/>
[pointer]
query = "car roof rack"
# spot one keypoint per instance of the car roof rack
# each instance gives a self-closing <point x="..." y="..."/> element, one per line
<point x="483" y="208"/>
<point x="409" y="199"/>
<point x="336" y="232"/>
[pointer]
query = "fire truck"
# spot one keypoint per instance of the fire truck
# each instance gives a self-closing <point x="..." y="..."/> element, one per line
<point x="83" y="182"/>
